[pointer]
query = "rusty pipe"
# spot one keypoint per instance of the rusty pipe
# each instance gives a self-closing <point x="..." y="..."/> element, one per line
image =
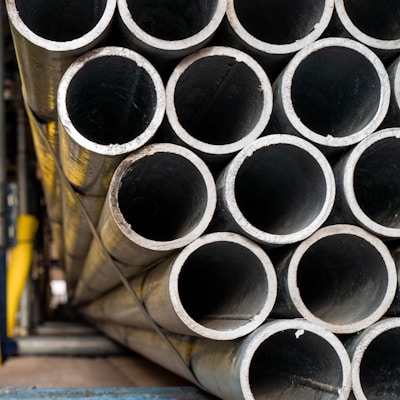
<point x="48" y="37"/>
<point x="342" y="278"/>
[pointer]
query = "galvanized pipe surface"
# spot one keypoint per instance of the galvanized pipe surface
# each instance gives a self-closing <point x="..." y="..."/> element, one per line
<point x="111" y="102"/>
<point x="373" y="23"/>
<point x="342" y="278"/>
<point x="48" y="37"/>
<point x="221" y="286"/>
<point x="335" y="93"/>
<point x="282" y="359"/>
<point x="219" y="100"/>
<point x="278" y="190"/>
<point x="169" y="29"/>
<point x="375" y="361"/>
<point x="368" y="184"/>
<point x="160" y="199"/>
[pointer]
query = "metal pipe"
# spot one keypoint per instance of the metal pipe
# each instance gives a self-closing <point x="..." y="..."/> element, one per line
<point x="274" y="30"/>
<point x="160" y="199"/>
<point x="219" y="100"/>
<point x="202" y="291"/>
<point x="335" y="93"/>
<point x="110" y="102"/>
<point x="281" y="359"/>
<point x="169" y="29"/>
<point x="393" y="115"/>
<point x="375" y="362"/>
<point x="342" y="278"/>
<point x="278" y="190"/>
<point x="368" y="184"/>
<point x="375" y="24"/>
<point x="48" y="37"/>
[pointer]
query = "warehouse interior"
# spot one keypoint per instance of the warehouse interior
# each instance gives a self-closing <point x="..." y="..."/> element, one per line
<point x="200" y="201"/>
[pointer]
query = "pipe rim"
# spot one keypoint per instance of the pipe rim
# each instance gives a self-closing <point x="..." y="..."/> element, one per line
<point x="240" y="219"/>
<point x="271" y="48"/>
<point x="110" y="149"/>
<point x="171" y="46"/>
<point x="331" y="141"/>
<point x="265" y="87"/>
<point x="396" y="84"/>
<point x="368" y="40"/>
<point x="256" y="320"/>
<point x="366" y="338"/>
<point x="348" y="187"/>
<point x="66" y="46"/>
<point x="201" y="226"/>
<point x="375" y="242"/>
<point x="260" y="335"/>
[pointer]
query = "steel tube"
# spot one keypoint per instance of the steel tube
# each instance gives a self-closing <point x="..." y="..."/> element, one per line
<point x="202" y="291"/>
<point x="48" y="37"/>
<point x="291" y="359"/>
<point x="278" y="190"/>
<point x="160" y="199"/>
<point x="375" y="362"/>
<point x="342" y="278"/>
<point x="375" y="24"/>
<point x="335" y="93"/>
<point x="368" y="184"/>
<point x="219" y="100"/>
<point x="393" y="115"/>
<point x="110" y="102"/>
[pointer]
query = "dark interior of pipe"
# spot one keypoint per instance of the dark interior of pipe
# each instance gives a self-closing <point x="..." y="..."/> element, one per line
<point x="336" y="91"/>
<point x="279" y="21"/>
<point x="223" y="285"/>
<point x="111" y="100"/>
<point x="172" y="19"/>
<point x="380" y="367"/>
<point x="163" y="196"/>
<point x="225" y="101"/>
<point x="377" y="182"/>
<point x="295" y="364"/>
<point x="342" y="279"/>
<point x="280" y="189"/>
<point x="60" y="20"/>
<point x="378" y="19"/>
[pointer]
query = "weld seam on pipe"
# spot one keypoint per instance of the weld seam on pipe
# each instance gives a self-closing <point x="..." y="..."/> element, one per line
<point x="34" y="42"/>
<point x="300" y="101"/>
<point x="217" y="75"/>
<point x="333" y="253"/>
<point x="365" y="347"/>
<point x="371" y="202"/>
<point x="168" y="43"/>
<point x="257" y="179"/>
<point x="89" y="153"/>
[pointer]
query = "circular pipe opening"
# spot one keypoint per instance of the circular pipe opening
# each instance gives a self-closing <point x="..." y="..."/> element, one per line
<point x="60" y="20"/>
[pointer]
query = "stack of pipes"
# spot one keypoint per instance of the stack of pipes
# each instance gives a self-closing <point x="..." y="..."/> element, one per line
<point x="222" y="179"/>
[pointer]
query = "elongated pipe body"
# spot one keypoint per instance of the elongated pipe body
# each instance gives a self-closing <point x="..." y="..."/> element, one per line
<point x="161" y="198"/>
<point x="281" y="359"/>
<point x="219" y="100"/>
<point x="48" y="37"/>
<point x="221" y="286"/>
<point x="335" y="93"/>
<point x="342" y="278"/>
<point x="278" y="190"/>
<point x="274" y="30"/>
<point x="375" y="362"/>
<point x="368" y="184"/>
<point x="375" y="24"/>
<point x="111" y="101"/>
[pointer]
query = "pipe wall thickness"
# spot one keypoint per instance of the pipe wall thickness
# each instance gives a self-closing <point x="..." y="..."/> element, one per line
<point x="335" y="93"/>
<point x="281" y="359"/>
<point x="278" y="190"/>
<point x="342" y="278"/>
<point x="160" y="199"/>
<point x="48" y="37"/>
